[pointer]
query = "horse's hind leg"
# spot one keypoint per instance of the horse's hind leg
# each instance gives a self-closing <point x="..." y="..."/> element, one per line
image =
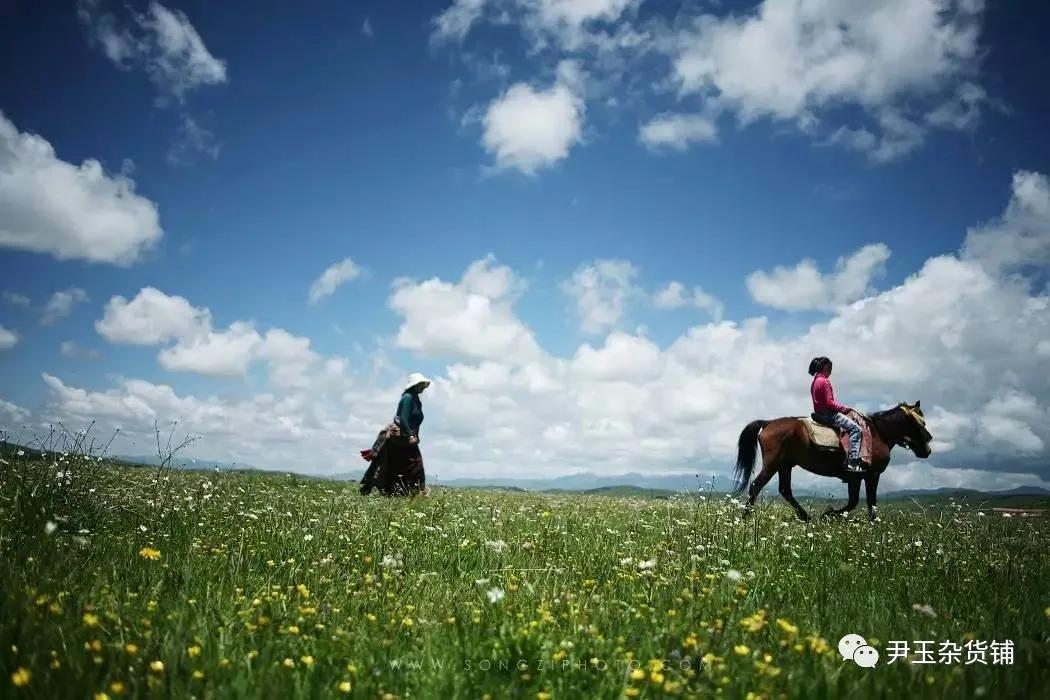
<point x="785" y="491"/>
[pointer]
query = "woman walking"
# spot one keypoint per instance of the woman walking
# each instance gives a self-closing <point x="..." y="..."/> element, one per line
<point x="397" y="463"/>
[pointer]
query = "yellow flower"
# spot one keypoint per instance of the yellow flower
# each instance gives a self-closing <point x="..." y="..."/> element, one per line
<point x="656" y="677"/>
<point x="742" y="650"/>
<point x="101" y="696"/>
<point x="131" y="649"/>
<point x="156" y="666"/>
<point x="632" y="692"/>
<point x="90" y="620"/>
<point x="786" y="626"/>
<point x="198" y="675"/>
<point x="292" y="630"/>
<point x="542" y="695"/>
<point x="117" y="688"/>
<point x="308" y="661"/>
<point x="344" y="687"/>
<point x="288" y="663"/>
<point x="193" y="651"/>
<point x="149" y="553"/>
<point x="21" y="677"/>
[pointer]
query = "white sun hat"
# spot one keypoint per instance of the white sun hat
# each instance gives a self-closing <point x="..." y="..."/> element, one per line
<point x="415" y="379"/>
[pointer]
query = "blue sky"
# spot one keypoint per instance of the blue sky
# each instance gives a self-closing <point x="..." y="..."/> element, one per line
<point x="516" y="185"/>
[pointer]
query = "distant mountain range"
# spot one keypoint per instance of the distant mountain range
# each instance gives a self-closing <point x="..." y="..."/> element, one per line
<point x="633" y="483"/>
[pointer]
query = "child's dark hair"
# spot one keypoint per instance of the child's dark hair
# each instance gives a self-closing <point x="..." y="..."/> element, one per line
<point x="817" y="364"/>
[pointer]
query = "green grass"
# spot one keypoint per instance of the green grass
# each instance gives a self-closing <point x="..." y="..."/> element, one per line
<point x="275" y="586"/>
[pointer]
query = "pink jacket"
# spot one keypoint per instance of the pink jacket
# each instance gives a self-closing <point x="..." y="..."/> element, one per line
<point x="824" y="396"/>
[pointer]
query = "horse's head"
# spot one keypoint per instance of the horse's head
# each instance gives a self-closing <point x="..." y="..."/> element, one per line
<point x="914" y="434"/>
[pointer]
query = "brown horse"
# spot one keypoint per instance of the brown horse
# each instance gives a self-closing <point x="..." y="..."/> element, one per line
<point x="786" y="444"/>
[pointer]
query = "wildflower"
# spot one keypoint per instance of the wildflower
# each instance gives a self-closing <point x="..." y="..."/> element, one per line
<point x="193" y="651"/>
<point x="923" y="610"/>
<point x="198" y="675"/>
<point x="101" y="696"/>
<point x="307" y="537"/>
<point x="344" y="687"/>
<point x="157" y="666"/>
<point x="496" y="545"/>
<point x="495" y="594"/>
<point x="733" y="575"/>
<point x="308" y="661"/>
<point x="131" y="649"/>
<point x="392" y="561"/>
<point x="149" y="553"/>
<point x="647" y="565"/>
<point x="22" y="676"/>
<point x="637" y="674"/>
<point x="117" y="688"/>
<point x="90" y="620"/>
<point x="50" y="527"/>
<point x="786" y="626"/>
<point x="288" y="663"/>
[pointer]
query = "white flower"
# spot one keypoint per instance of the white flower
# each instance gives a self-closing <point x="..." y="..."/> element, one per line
<point x="481" y="581"/>
<point x="307" y="538"/>
<point x="21" y="453"/>
<point x="495" y="594"/>
<point x="496" y="545"/>
<point x="50" y="527"/>
<point x="733" y="575"/>
<point x="142" y="527"/>
<point x="626" y="561"/>
<point x="647" y="565"/>
<point x="392" y="561"/>
<point x="1008" y="515"/>
<point x="923" y="610"/>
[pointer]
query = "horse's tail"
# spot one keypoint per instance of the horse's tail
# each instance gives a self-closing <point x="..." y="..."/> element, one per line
<point x="747" y="448"/>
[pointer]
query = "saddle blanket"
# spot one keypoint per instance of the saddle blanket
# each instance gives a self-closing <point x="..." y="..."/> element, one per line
<point x="828" y="438"/>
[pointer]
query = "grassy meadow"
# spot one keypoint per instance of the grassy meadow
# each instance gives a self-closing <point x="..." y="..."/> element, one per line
<point x="142" y="582"/>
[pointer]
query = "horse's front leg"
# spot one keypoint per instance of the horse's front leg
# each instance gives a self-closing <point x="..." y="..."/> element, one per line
<point x="853" y="489"/>
<point x="871" y="489"/>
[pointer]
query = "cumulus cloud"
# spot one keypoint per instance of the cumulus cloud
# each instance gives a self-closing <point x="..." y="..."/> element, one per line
<point x="602" y="290"/>
<point x="48" y="205"/>
<point x="8" y="339"/>
<point x="804" y="286"/>
<point x="217" y="353"/>
<point x="677" y="131"/>
<point x="561" y="21"/>
<point x="455" y="22"/>
<point x="61" y="304"/>
<point x="1021" y="236"/>
<point x="528" y="129"/>
<point x="332" y="278"/>
<point x="674" y="296"/>
<point x="473" y="318"/>
<point x="12" y="415"/>
<point x="193" y="142"/>
<point x="160" y="41"/>
<point x="150" y="318"/>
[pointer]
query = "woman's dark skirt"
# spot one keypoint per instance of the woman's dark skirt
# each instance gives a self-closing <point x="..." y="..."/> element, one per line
<point x="397" y="470"/>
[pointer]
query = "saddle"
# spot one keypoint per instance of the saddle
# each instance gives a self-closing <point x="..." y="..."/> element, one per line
<point x="823" y="435"/>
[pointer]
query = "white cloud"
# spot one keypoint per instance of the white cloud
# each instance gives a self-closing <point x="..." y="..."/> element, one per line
<point x="15" y="299"/>
<point x="61" y="304"/>
<point x="8" y="339"/>
<point x="456" y="21"/>
<point x="528" y="129"/>
<point x="223" y="354"/>
<point x="806" y="287"/>
<point x="194" y="141"/>
<point x="898" y="137"/>
<point x="331" y="279"/>
<point x="623" y="358"/>
<point x="162" y="42"/>
<point x="48" y="205"/>
<point x="674" y="296"/>
<point x="12" y="415"/>
<point x="473" y="318"/>
<point x="70" y="349"/>
<point x="1021" y="236"/>
<point x="152" y="317"/>
<point x="367" y="29"/>
<point x="602" y="290"/>
<point x="677" y="131"/>
<point x="791" y="60"/>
